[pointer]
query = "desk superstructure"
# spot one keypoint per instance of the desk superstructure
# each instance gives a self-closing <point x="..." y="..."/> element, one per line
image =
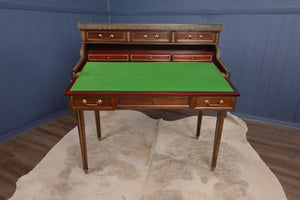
<point x="150" y="66"/>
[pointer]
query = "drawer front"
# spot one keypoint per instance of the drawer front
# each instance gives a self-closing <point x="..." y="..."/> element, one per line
<point x="151" y="37"/>
<point x="108" y="57"/>
<point x="106" y="36"/>
<point x="153" y="102"/>
<point x="91" y="102"/>
<point x="150" y="58"/>
<point x="192" y="58"/>
<point x="195" y="37"/>
<point x="215" y="102"/>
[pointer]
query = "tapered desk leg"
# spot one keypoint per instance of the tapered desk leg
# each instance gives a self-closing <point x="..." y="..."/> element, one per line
<point x="218" y="134"/>
<point x="97" y="119"/>
<point x="200" y="113"/>
<point x="81" y="131"/>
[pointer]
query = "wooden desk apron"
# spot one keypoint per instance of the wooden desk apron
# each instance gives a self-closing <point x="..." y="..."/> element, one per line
<point x="122" y="68"/>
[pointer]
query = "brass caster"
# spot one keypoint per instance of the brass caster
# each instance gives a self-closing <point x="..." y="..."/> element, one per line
<point x="86" y="171"/>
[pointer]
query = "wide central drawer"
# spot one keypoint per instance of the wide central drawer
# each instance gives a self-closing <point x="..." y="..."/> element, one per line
<point x="153" y="101"/>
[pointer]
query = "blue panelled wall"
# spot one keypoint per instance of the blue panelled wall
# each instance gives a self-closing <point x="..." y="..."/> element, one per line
<point x="39" y="47"/>
<point x="260" y="44"/>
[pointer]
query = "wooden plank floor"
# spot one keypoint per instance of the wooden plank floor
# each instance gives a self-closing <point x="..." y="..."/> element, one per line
<point x="278" y="146"/>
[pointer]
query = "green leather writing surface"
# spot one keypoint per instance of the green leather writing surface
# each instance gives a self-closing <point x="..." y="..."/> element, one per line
<point x="151" y="76"/>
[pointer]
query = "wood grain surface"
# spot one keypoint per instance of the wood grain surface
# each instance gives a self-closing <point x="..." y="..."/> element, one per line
<point x="277" y="146"/>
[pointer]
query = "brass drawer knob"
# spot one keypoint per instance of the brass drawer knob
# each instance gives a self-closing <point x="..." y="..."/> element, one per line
<point x="146" y="37"/>
<point x="100" y="36"/>
<point x="111" y="36"/>
<point x="190" y="37"/>
<point x="200" y="36"/>
<point x="98" y="102"/>
<point x="156" y="36"/>
<point x="211" y="104"/>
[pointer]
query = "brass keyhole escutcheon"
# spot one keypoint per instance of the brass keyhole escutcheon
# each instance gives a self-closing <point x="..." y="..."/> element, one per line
<point x="111" y="36"/>
<point x="200" y="36"/>
<point x="154" y="101"/>
<point x="156" y="36"/>
<point x="146" y="36"/>
<point x="100" y="36"/>
<point x="190" y="37"/>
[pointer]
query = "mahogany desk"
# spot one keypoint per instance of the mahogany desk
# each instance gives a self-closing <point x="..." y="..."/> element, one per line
<point x="150" y="66"/>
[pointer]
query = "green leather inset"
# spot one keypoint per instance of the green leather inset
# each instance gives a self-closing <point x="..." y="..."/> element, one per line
<point x="151" y="76"/>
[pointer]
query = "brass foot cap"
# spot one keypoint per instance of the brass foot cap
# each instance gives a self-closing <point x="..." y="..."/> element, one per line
<point x="212" y="169"/>
<point x="197" y="137"/>
<point x="86" y="171"/>
<point x="99" y="139"/>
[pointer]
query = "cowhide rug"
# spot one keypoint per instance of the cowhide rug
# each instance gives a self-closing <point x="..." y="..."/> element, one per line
<point x="141" y="158"/>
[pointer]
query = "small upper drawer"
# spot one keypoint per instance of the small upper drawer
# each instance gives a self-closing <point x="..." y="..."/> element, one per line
<point x="192" y="58"/>
<point x="215" y="102"/>
<point x="106" y="36"/>
<point x="91" y="102"/>
<point x="108" y="57"/>
<point x="150" y="58"/>
<point x="150" y="37"/>
<point x="195" y="37"/>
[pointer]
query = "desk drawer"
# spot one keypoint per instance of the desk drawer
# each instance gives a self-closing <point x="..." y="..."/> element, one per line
<point x="151" y="37"/>
<point x="91" y="102"/>
<point x="153" y="102"/>
<point x="191" y="58"/>
<point x="150" y="58"/>
<point x="108" y="57"/>
<point x="106" y="36"/>
<point x="215" y="102"/>
<point x="195" y="37"/>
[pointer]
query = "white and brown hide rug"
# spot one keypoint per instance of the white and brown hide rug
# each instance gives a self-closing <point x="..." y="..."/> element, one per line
<point x="141" y="158"/>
